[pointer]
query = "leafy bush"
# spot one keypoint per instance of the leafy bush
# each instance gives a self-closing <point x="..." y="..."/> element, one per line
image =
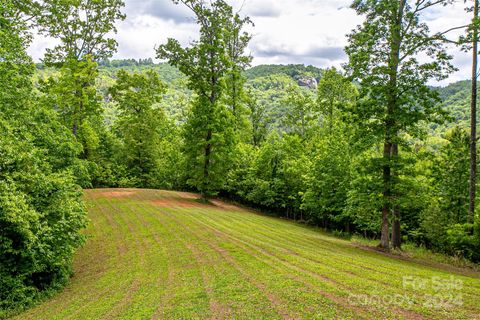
<point x="462" y="241"/>
<point x="41" y="209"/>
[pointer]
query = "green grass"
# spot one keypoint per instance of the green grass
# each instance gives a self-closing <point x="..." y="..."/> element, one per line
<point x="163" y="255"/>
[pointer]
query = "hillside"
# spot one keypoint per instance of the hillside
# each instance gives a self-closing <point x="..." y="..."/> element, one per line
<point x="267" y="82"/>
<point x="163" y="255"/>
<point x="456" y="100"/>
<point x="292" y="70"/>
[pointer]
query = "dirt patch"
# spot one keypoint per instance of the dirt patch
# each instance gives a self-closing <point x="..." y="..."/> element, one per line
<point x="117" y="194"/>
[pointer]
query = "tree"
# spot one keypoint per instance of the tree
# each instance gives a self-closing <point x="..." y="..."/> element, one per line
<point x="333" y="153"/>
<point x="451" y="175"/>
<point x="329" y="178"/>
<point x="258" y="118"/>
<point x="15" y="64"/>
<point x="271" y="93"/>
<point x="82" y="27"/>
<point x="394" y="94"/>
<point x="300" y="115"/>
<point x="473" y="30"/>
<point x="334" y="93"/>
<point x="206" y="63"/>
<point x="74" y="95"/>
<point x="445" y="222"/>
<point x="141" y="123"/>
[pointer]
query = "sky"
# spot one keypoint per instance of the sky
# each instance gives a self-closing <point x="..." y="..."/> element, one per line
<point x="311" y="32"/>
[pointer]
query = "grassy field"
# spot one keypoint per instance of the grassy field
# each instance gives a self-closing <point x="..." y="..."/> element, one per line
<point x="163" y="255"/>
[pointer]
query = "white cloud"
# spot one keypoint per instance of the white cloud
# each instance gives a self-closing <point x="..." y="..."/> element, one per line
<point x="138" y="36"/>
<point x="286" y="31"/>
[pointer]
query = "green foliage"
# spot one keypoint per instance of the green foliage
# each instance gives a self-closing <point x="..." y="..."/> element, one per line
<point x="73" y="93"/>
<point x="41" y="212"/>
<point x="302" y="187"/>
<point x="394" y="96"/>
<point x="364" y="194"/>
<point x="269" y="94"/>
<point x="271" y="176"/>
<point x="388" y="67"/>
<point x="209" y="127"/>
<point x="294" y="71"/>
<point x="451" y="175"/>
<point x="336" y="94"/>
<point x="258" y="119"/>
<point x="215" y="59"/>
<point x="300" y="117"/>
<point x="81" y="26"/>
<point x="263" y="136"/>
<point x="443" y="223"/>
<point x="148" y="150"/>
<point x="137" y="93"/>
<point x="110" y="170"/>
<point x="329" y="179"/>
<point x="461" y="241"/>
<point x="74" y="97"/>
<point x="456" y="101"/>
<point x="236" y="42"/>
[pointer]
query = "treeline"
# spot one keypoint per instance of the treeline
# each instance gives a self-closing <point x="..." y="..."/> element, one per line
<point x="125" y="63"/>
<point x="116" y="63"/>
<point x="353" y="153"/>
<point x="295" y="71"/>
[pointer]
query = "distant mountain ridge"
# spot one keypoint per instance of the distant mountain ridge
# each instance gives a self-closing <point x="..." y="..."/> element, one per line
<point x="455" y="96"/>
<point x="295" y="71"/>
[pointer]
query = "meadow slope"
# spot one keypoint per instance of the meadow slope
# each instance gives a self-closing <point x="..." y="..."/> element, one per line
<point x="163" y="255"/>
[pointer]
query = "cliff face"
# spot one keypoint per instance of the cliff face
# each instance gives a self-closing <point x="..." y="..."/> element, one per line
<point x="309" y="82"/>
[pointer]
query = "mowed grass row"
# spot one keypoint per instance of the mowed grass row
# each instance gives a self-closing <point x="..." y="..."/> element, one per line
<point x="163" y="255"/>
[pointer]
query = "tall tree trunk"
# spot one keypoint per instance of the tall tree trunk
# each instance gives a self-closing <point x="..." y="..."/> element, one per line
<point x="390" y="126"/>
<point x="206" y="165"/>
<point x="396" y="228"/>
<point x="473" y="121"/>
<point x="385" y="232"/>
<point x="208" y="138"/>
<point x="75" y="128"/>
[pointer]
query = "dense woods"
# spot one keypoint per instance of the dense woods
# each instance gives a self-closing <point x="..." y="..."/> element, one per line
<point x="371" y="149"/>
